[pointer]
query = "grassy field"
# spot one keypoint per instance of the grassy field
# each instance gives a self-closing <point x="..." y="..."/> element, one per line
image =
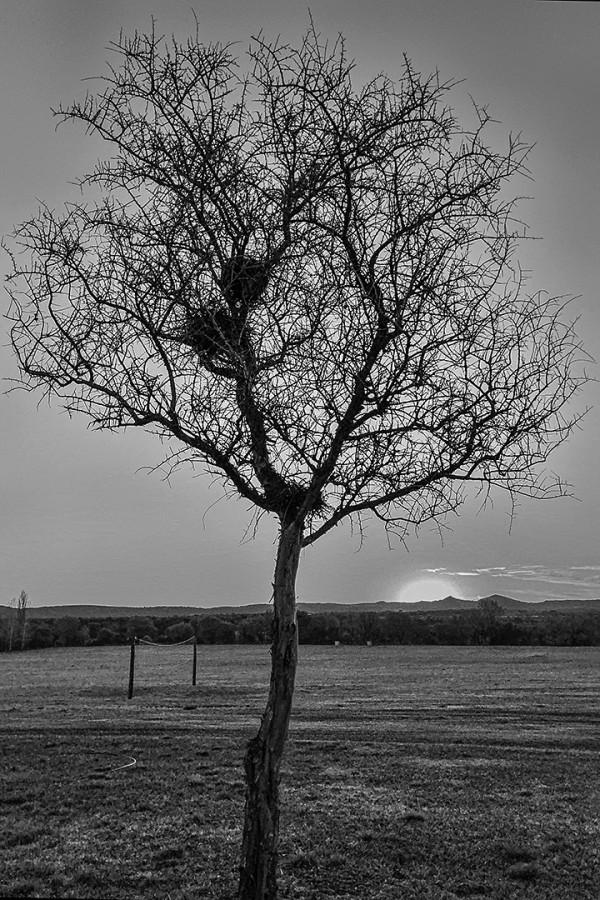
<point x="411" y="772"/>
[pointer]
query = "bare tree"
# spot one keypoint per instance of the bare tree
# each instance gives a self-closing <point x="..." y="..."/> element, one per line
<point x="17" y="620"/>
<point x="12" y="617"/>
<point x="22" y="605"/>
<point x="310" y="287"/>
<point x="490" y="612"/>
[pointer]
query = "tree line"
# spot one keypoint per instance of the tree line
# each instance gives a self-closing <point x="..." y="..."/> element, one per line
<point x="480" y="626"/>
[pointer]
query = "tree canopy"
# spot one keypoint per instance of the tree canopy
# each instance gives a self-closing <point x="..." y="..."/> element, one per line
<point x="310" y="285"/>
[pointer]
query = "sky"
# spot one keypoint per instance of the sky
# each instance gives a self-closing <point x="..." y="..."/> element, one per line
<point x="83" y="519"/>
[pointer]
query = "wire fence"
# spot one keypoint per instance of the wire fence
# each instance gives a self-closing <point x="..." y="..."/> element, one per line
<point x="189" y="640"/>
<point x="135" y="641"/>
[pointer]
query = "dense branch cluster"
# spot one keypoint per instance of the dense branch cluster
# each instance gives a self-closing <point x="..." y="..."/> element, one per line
<point x="309" y="285"/>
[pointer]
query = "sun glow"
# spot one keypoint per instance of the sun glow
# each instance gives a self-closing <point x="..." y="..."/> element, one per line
<point x="428" y="589"/>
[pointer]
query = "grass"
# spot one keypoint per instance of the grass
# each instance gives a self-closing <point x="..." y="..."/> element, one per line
<point x="412" y="772"/>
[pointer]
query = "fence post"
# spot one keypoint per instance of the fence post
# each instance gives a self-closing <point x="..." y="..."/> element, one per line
<point x="131" y="669"/>
<point x="194" y="663"/>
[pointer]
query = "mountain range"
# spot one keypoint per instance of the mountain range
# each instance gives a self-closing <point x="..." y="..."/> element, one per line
<point x="445" y="604"/>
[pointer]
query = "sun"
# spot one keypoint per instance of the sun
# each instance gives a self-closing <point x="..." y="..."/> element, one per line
<point x="433" y="588"/>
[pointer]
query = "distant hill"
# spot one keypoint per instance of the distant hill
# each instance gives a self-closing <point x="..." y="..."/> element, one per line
<point x="509" y="604"/>
<point x="448" y="602"/>
<point x="83" y="611"/>
<point x="569" y="605"/>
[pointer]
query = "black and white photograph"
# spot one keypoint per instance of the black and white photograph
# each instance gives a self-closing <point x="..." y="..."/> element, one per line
<point x="299" y="439"/>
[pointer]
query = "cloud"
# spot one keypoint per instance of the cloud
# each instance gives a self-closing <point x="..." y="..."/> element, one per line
<point x="581" y="577"/>
<point x="458" y="572"/>
<point x="527" y="572"/>
<point x="565" y="576"/>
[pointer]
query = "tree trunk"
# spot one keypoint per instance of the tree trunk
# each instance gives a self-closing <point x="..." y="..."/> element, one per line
<point x="262" y="763"/>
